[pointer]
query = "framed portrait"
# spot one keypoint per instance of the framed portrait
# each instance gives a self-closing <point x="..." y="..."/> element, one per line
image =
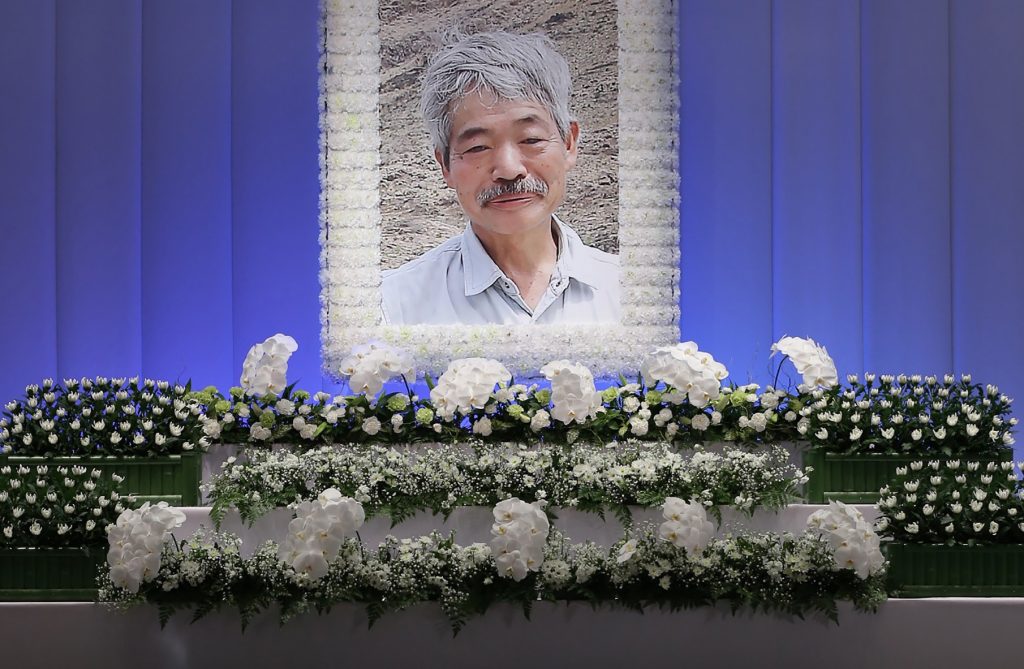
<point x="385" y="204"/>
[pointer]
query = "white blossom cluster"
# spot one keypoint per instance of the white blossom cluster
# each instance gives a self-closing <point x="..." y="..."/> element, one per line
<point x="136" y="543"/>
<point x="574" y="398"/>
<point x="688" y="372"/>
<point x="686" y="525"/>
<point x="854" y="541"/>
<point x="520" y="532"/>
<point x="316" y="534"/>
<point x="368" y="367"/>
<point x="265" y="368"/>
<point x="811" y="360"/>
<point x="468" y="384"/>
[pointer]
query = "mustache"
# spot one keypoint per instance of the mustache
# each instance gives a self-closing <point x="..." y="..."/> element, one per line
<point x="517" y="187"/>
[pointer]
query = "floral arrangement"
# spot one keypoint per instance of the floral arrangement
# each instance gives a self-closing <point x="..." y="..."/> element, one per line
<point x="265" y="368"/>
<point x="679" y="398"/>
<point x="954" y="502"/>
<point x="316" y="534"/>
<point x="908" y="414"/>
<point x="677" y="565"/>
<point x="54" y="506"/>
<point x="102" y="417"/>
<point x="477" y="398"/>
<point x="853" y="540"/>
<point x="520" y="533"/>
<point x="136" y="543"/>
<point x="399" y="482"/>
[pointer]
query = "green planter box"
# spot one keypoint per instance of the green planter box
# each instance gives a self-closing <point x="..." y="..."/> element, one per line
<point x="936" y="570"/>
<point x="49" y="574"/>
<point x="171" y="478"/>
<point x="856" y="479"/>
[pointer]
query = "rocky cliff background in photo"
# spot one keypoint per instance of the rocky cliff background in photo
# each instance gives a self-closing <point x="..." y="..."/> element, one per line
<point x="417" y="210"/>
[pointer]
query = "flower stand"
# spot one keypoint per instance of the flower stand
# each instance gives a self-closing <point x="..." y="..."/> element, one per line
<point x="170" y="478"/>
<point x="49" y="574"/>
<point x="857" y="478"/>
<point x="961" y="570"/>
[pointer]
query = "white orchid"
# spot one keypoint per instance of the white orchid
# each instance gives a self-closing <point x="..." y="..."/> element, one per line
<point x="136" y="542"/>
<point x="690" y="372"/>
<point x="520" y="532"/>
<point x="316" y="534"/>
<point x="854" y="542"/>
<point x="573" y="395"/>
<point x="811" y="360"/>
<point x="686" y="525"/>
<point x="370" y="366"/>
<point x="468" y="384"/>
<point x="265" y="367"/>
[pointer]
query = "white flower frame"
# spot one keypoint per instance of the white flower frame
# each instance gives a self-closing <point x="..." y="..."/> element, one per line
<point x="648" y="208"/>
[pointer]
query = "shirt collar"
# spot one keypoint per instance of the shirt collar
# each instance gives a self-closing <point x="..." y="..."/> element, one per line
<point x="480" y="272"/>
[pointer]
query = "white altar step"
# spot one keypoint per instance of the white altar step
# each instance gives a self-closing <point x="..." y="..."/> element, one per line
<point x="472" y="524"/>
<point x="933" y="633"/>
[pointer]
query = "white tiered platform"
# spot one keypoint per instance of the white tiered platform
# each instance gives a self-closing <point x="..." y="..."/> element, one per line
<point x="934" y="633"/>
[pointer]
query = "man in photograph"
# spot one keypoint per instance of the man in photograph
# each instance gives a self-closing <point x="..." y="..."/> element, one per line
<point x="496" y="107"/>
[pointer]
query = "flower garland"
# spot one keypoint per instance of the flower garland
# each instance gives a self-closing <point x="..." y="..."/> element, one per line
<point x="400" y="482"/>
<point x="525" y="563"/>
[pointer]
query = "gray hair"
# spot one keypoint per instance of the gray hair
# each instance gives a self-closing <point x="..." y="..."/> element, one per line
<point x="510" y="66"/>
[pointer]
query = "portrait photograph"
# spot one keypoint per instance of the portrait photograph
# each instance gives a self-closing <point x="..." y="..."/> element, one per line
<point x="496" y="172"/>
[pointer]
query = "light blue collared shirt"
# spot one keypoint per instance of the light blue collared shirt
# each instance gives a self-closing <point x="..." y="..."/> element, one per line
<point x="458" y="283"/>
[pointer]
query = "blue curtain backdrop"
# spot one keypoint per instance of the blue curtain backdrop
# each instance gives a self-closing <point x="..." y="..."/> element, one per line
<point x="851" y="171"/>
